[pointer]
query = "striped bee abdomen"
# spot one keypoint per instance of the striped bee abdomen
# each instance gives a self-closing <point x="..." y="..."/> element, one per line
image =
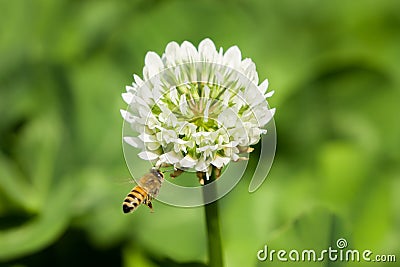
<point x="148" y="188"/>
<point x="134" y="199"/>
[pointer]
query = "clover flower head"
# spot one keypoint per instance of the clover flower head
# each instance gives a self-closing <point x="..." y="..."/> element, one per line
<point x="196" y="108"/>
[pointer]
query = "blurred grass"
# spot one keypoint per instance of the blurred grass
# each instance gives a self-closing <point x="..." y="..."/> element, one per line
<point x="64" y="64"/>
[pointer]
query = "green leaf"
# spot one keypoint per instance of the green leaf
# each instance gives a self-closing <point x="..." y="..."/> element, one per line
<point x="41" y="230"/>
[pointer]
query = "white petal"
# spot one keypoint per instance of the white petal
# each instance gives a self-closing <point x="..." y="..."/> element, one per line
<point x="183" y="105"/>
<point x="170" y="157"/>
<point x="233" y="56"/>
<point x="180" y="141"/>
<point x="147" y="137"/>
<point x="272" y="111"/>
<point x="168" y="136"/>
<point x="226" y="97"/>
<point x="138" y="80"/>
<point x="207" y="148"/>
<point x="127" y="116"/>
<point x="201" y="165"/>
<point x="147" y="155"/>
<point x="157" y="93"/>
<point x="219" y="162"/>
<point x="264" y="116"/>
<point x="220" y="56"/>
<point x="269" y="94"/>
<point x="227" y="118"/>
<point x="173" y="94"/>
<point x="153" y="63"/>
<point x="140" y="103"/>
<point x="153" y="146"/>
<point x="251" y="73"/>
<point x="145" y="94"/>
<point x="145" y="73"/>
<point x="246" y="63"/>
<point x="231" y="144"/>
<point x="207" y="108"/>
<point x="144" y="112"/>
<point x="172" y="53"/>
<point x="188" y="162"/>
<point x="186" y="128"/>
<point x="133" y="141"/>
<point x="129" y="88"/>
<point x="189" y="52"/>
<point x="223" y="137"/>
<point x="206" y="92"/>
<point x="127" y="97"/>
<point x="207" y="50"/>
<point x="263" y="86"/>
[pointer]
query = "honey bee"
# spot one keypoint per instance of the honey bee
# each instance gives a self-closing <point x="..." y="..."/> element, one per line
<point x="148" y="188"/>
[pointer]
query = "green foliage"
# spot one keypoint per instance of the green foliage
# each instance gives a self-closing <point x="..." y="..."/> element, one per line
<point x="334" y="67"/>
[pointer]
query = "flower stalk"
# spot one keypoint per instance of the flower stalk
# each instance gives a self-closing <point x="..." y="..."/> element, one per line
<point x="215" y="253"/>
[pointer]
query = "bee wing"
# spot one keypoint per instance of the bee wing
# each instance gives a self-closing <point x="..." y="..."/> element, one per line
<point x="146" y="180"/>
<point x="124" y="181"/>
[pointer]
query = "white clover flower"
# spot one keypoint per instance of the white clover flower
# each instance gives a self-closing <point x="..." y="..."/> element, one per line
<point x="196" y="107"/>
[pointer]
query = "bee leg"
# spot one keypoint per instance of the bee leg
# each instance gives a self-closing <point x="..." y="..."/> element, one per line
<point x="150" y="206"/>
<point x="147" y="201"/>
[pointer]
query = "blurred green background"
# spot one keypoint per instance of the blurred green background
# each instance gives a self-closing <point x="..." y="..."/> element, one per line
<point x="63" y="65"/>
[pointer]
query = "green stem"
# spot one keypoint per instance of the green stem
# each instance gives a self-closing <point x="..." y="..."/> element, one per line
<point x="212" y="222"/>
